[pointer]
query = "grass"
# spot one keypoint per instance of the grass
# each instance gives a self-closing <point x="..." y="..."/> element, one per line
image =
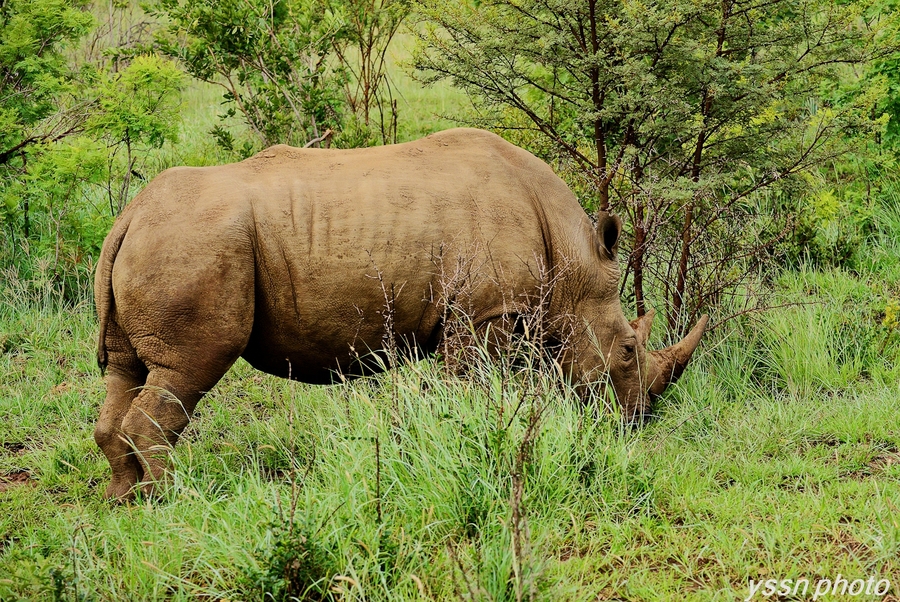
<point x="764" y="464"/>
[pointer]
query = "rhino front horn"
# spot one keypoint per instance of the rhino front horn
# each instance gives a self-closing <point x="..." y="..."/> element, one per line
<point x="666" y="365"/>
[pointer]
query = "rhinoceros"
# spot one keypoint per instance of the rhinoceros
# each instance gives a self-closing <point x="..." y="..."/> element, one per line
<point x="299" y="260"/>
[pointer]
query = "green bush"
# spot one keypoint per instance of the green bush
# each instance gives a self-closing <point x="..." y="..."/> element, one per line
<point x="295" y="566"/>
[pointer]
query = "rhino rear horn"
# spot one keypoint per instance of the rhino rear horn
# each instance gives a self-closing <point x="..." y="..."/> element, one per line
<point x="642" y="325"/>
<point x="666" y="365"/>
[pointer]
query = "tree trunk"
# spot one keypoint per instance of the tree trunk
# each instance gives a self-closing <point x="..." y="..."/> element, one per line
<point x="597" y="98"/>
<point x="640" y="242"/>
<point x="680" y="285"/>
<point x="27" y="220"/>
<point x="27" y="206"/>
<point x="686" y="239"/>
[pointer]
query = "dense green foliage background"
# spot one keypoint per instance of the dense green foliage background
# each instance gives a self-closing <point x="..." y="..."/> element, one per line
<point x="751" y="148"/>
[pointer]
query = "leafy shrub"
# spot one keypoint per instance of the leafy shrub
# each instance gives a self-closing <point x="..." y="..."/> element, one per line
<point x="272" y="60"/>
<point x="139" y="109"/>
<point x="296" y="566"/>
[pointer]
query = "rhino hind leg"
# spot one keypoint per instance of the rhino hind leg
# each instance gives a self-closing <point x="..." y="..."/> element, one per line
<point x="160" y="413"/>
<point x="188" y="321"/>
<point x="125" y="376"/>
<point x="183" y="366"/>
<point x="121" y="389"/>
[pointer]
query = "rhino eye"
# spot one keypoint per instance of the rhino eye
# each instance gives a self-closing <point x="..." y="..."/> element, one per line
<point x="629" y="350"/>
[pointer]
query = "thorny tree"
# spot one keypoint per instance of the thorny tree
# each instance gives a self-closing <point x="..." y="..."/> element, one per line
<point x="370" y="26"/>
<point x="674" y="113"/>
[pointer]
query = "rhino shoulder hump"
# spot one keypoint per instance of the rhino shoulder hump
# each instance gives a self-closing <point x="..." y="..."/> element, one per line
<point x="464" y="136"/>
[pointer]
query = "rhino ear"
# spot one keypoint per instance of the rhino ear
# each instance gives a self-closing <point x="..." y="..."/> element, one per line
<point x="609" y="227"/>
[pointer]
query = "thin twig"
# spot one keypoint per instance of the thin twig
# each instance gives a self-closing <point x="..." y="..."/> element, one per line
<point x="326" y="134"/>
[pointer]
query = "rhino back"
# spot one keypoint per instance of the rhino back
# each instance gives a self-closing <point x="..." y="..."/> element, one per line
<point x="339" y="239"/>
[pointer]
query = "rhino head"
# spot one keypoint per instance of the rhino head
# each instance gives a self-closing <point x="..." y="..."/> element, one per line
<point x="614" y="350"/>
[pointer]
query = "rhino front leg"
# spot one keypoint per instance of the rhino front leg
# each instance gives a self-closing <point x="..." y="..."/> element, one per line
<point x="463" y="342"/>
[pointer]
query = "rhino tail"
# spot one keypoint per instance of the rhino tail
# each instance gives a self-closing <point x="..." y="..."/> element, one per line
<point x="103" y="291"/>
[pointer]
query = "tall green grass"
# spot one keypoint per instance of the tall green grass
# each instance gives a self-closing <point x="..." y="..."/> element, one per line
<point x="402" y="486"/>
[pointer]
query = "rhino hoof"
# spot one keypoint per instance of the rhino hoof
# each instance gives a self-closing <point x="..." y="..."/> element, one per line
<point x="119" y="491"/>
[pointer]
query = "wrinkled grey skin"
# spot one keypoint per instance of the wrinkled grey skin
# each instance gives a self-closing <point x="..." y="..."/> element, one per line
<point x="290" y="258"/>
